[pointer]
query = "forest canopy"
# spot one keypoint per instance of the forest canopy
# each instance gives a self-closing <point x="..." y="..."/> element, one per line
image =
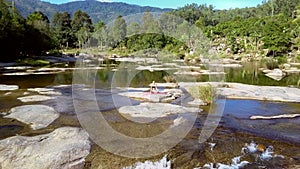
<point x="272" y="28"/>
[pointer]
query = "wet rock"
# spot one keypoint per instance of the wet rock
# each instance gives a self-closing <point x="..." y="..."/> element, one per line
<point x="197" y="102"/>
<point x="162" y="164"/>
<point x="275" y="117"/>
<point x="64" y="148"/>
<point x="4" y="87"/>
<point x="34" y="98"/>
<point x="276" y="74"/>
<point x="45" y="91"/>
<point x="37" y="116"/>
<point x="154" y="110"/>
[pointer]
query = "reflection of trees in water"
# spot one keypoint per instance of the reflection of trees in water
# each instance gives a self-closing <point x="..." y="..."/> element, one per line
<point x="250" y="74"/>
<point x="63" y="78"/>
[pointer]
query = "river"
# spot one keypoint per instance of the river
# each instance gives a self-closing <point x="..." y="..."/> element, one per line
<point x="236" y="134"/>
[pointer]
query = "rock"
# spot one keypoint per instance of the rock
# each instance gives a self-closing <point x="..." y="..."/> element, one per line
<point x="227" y="65"/>
<point x="187" y="73"/>
<point x="197" y="102"/>
<point x="275" y="117"/>
<point x="292" y="70"/>
<point x="137" y="59"/>
<point x="4" y="87"/>
<point x="244" y="91"/>
<point x="162" y="164"/>
<point x="146" y="96"/>
<point x="154" y="110"/>
<point x="37" y="116"/>
<point x="45" y="91"/>
<point x="276" y="74"/>
<point x="34" y="98"/>
<point x="18" y="67"/>
<point x="152" y="69"/>
<point x="165" y="95"/>
<point x="167" y="85"/>
<point x="64" y="148"/>
<point x="286" y="66"/>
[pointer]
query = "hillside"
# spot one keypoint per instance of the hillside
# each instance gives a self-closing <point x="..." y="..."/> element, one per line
<point x="103" y="11"/>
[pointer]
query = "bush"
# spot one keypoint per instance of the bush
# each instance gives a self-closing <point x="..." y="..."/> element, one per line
<point x="205" y="93"/>
<point x="169" y="78"/>
<point x="272" y="64"/>
<point x="281" y="60"/>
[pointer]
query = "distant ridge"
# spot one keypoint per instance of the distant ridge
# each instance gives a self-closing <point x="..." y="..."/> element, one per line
<point x="104" y="11"/>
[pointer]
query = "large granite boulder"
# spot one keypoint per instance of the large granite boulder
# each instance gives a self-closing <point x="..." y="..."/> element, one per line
<point x="37" y="116"/>
<point x="155" y="110"/>
<point x="64" y="148"/>
<point x="276" y="74"/>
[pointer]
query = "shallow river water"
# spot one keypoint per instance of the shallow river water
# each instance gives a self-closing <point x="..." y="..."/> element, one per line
<point x="271" y="143"/>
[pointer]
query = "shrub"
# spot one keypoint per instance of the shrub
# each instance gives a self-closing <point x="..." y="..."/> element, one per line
<point x="272" y="64"/>
<point x="205" y="93"/>
<point x="169" y="78"/>
<point x="281" y="60"/>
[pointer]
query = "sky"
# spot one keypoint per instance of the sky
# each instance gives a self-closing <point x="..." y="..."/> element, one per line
<point x="218" y="4"/>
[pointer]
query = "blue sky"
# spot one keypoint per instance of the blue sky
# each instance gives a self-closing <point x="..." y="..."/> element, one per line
<point x="218" y="4"/>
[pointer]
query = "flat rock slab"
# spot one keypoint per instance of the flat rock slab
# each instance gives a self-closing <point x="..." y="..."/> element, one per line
<point x="34" y="98"/>
<point x="63" y="148"/>
<point x="276" y="74"/>
<point x="161" y="96"/>
<point x="252" y="92"/>
<point x="4" y="87"/>
<point x="155" y="110"/>
<point x="37" y="116"/>
<point x="275" y="117"/>
<point x="45" y="91"/>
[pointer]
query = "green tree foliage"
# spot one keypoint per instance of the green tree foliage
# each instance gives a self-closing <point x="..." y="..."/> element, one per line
<point x="149" y="25"/>
<point x="276" y="36"/>
<point x="20" y="37"/>
<point x="82" y="27"/>
<point x="119" y="30"/>
<point x="62" y="26"/>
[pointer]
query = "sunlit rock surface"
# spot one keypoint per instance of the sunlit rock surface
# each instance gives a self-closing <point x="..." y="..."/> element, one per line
<point x="64" y="148"/>
<point x="244" y="91"/>
<point x="154" y="110"/>
<point x="37" y="116"/>
<point x="4" y="87"/>
<point x="35" y="98"/>
<point x="162" y="164"/>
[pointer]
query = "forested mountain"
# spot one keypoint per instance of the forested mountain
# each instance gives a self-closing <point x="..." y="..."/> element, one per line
<point x="270" y="29"/>
<point x="103" y="11"/>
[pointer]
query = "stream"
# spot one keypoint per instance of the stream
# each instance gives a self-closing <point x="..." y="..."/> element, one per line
<point x="238" y="141"/>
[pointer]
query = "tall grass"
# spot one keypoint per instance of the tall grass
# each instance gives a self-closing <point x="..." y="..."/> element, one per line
<point x="205" y="93"/>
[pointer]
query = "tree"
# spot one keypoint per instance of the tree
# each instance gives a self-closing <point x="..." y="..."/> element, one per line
<point x="61" y="23"/>
<point x="81" y="19"/>
<point x="133" y="29"/>
<point x="276" y="38"/>
<point x="39" y="21"/>
<point x="119" y="30"/>
<point x="149" y="25"/>
<point x="82" y="27"/>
